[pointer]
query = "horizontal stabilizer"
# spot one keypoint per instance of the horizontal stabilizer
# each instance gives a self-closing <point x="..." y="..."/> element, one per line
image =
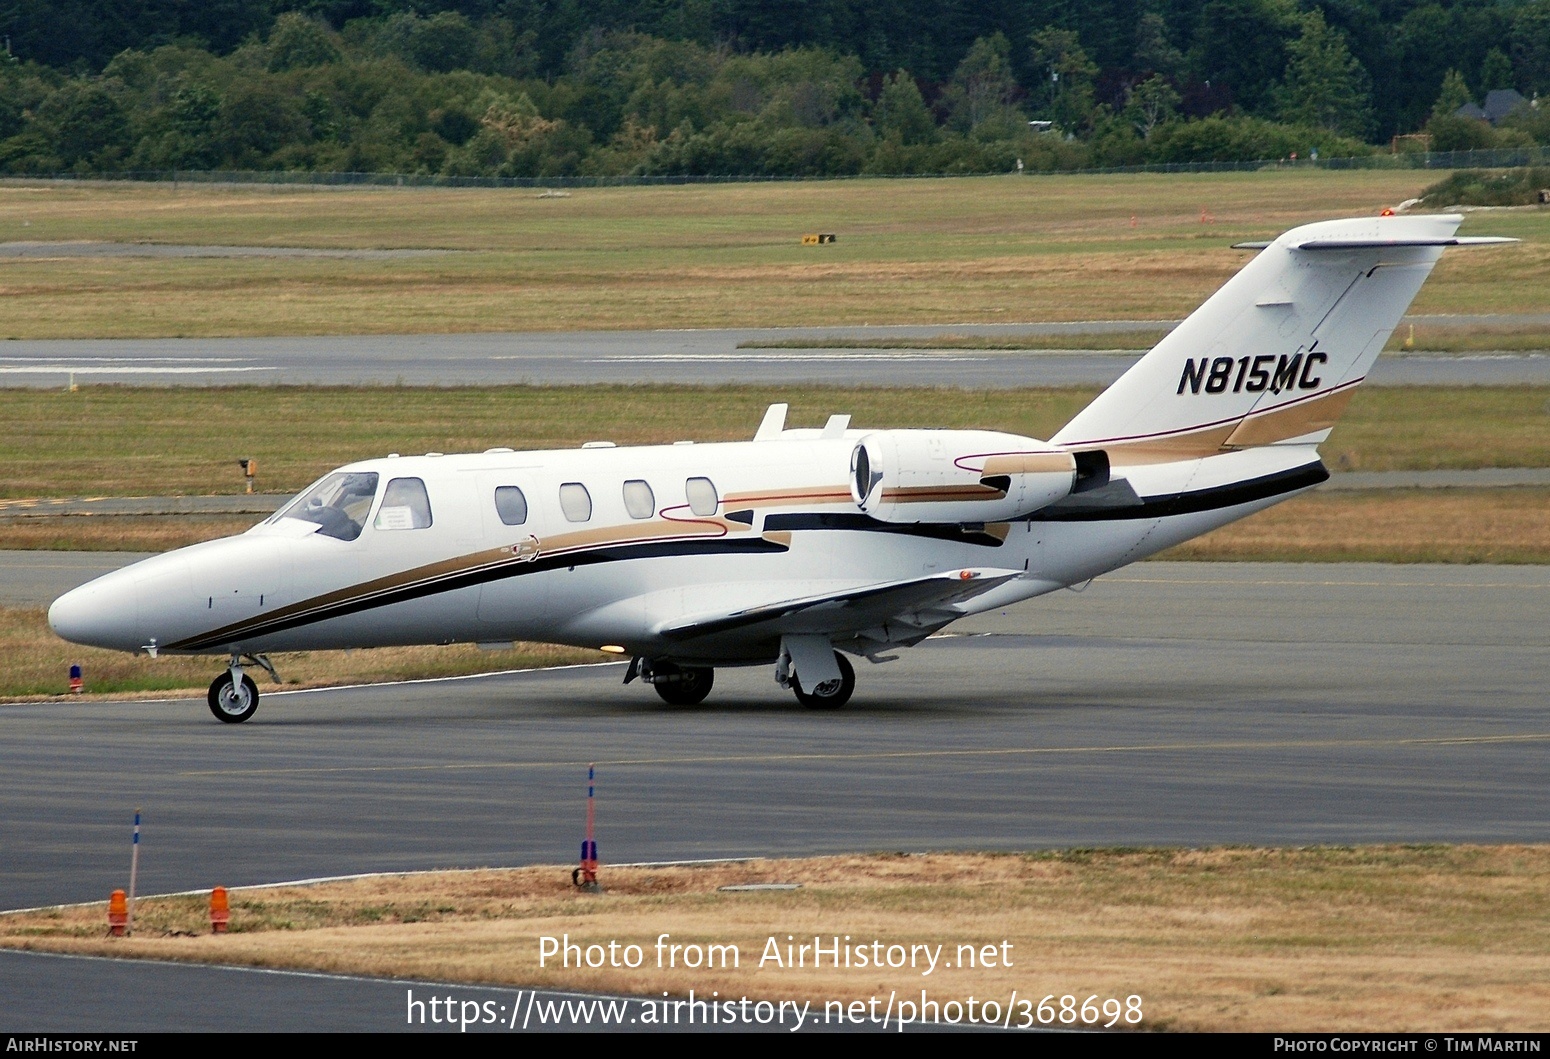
<point x="1367" y="244"/>
<point x="849" y="610"/>
<point x="1381" y="244"/>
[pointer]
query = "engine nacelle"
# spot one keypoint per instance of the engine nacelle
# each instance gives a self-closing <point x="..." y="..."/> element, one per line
<point x="957" y="475"/>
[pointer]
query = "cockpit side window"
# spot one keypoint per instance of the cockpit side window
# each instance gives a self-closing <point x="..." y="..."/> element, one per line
<point x="404" y="506"/>
<point x="338" y="503"/>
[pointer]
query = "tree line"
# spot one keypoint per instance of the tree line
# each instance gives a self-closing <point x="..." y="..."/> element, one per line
<point x="800" y="87"/>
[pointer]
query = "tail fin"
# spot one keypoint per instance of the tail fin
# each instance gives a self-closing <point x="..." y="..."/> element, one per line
<point x="1274" y="356"/>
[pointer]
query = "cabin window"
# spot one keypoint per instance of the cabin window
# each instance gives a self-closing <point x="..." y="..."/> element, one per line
<point x="702" y="496"/>
<point x="638" y="499"/>
<point x="575" y="502"/>
<point x="338" y="504"/>
<point x="510" y="505"/>
<point x="404" y="506"/>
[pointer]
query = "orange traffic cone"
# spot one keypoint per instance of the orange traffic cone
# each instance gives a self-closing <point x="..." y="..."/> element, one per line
<point x="118" y="914"/>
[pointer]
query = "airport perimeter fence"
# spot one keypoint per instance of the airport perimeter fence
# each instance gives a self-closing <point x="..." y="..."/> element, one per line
<point x="1509" y="158"/>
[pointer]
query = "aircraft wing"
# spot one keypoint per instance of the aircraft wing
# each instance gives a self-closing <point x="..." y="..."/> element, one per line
<point x="849" y="610"/>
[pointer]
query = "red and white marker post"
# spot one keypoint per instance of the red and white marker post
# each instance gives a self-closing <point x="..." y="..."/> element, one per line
<point x="585" y="876"/>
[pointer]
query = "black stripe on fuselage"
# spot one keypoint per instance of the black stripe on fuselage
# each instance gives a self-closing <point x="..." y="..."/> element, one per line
<point x="1188" y="503"/>
<point x="943" y="531"/>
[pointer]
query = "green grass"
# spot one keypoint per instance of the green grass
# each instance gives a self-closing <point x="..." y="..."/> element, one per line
<point x="910" y="251"/>
<point x="122" y="441"/>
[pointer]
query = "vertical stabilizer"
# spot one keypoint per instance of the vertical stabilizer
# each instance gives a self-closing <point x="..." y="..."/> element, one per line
<point x="1274" y="355"/>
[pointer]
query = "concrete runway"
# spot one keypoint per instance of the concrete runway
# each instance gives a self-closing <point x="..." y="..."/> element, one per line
<point x="679" y="357"/>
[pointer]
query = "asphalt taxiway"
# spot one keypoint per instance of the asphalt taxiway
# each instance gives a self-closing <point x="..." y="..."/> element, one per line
<point x="44" y="993"/>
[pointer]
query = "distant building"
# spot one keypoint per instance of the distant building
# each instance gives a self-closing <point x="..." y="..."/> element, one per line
<point x="1499" y="102"/>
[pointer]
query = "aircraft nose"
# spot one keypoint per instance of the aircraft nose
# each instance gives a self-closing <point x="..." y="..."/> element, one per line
<point x="101" y="613"/>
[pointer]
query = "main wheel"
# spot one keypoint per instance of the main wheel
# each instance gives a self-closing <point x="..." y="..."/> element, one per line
<point x="831" y="694"/>
<point x="693" y="685"/>
<point x="230" y="703"/>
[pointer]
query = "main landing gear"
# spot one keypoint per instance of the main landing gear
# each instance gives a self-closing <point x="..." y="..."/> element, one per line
<point x="830" y="694"/>
<point x="681" y="685"/>
<point x="812" y="660"/>
<point x="677" y="685"/>
<point x="233" y="695"/>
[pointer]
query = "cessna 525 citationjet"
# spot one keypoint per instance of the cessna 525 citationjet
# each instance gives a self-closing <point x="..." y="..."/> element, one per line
<point x="799" y="547"/>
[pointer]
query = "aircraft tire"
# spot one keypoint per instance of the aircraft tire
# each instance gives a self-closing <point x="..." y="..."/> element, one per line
<point x="828" y="696"/>
<point x="230" y="704"/>
<point x="690" y="691"/>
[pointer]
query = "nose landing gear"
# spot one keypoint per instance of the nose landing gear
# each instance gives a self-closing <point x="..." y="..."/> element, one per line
<point x="233" y="696"/>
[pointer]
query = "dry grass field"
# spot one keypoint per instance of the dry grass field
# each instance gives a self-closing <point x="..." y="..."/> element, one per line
<point x="1387" y="526"/>
<point x="984" y="249"/>
<point x="1378" y="938"/>
<point x="144" y="443"/>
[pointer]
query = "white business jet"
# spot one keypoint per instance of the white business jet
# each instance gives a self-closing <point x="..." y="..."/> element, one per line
<point x="801" y="547"/>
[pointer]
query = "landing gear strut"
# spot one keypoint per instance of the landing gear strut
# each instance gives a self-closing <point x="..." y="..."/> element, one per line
<point x="831" y="694"/>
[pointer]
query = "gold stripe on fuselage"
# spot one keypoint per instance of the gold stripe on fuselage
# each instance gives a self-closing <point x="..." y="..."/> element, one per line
<point x="829" y="494"/>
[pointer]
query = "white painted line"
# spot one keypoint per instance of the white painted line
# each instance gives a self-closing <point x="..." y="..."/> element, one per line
<point x="120" y="360"/>
<point x="70" y="369"/>
<point x="762" y="356"/>
<point x="281" y="972"/>
<point x="426" y="680"/>
<point x="58" y="700"/>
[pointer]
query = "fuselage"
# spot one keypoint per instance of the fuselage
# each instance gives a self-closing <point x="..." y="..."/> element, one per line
<point x="607" y="547"/>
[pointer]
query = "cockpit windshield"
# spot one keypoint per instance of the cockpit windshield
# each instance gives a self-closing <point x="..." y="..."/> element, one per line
<point x="338" y="504"/>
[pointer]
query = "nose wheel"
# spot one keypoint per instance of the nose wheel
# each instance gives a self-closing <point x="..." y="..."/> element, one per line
<point x="231" y="700"/>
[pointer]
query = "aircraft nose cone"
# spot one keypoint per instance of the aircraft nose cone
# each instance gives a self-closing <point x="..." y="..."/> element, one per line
<point x="101" y="613"/>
